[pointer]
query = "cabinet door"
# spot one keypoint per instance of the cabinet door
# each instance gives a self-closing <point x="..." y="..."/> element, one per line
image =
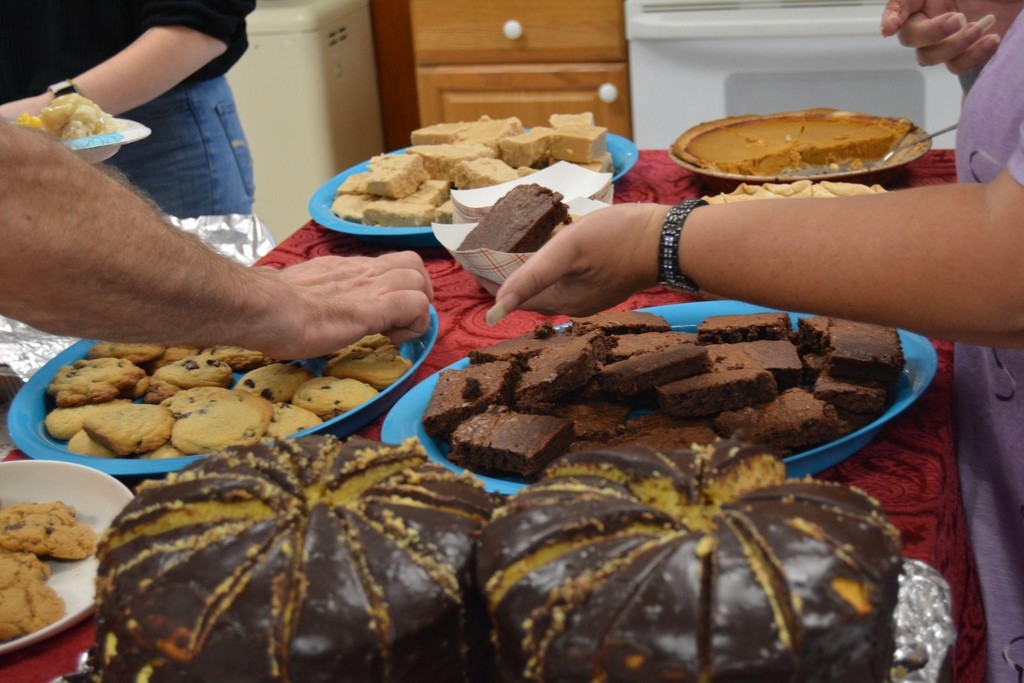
<point x="518" y="31"/>
<point x="531" y="92"/>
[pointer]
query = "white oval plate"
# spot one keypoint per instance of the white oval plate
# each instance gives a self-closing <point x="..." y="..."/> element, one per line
<point x="96" y="497"/>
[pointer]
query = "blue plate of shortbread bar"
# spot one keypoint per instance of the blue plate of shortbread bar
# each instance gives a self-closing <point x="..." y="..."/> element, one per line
<point x="624" y="156"/>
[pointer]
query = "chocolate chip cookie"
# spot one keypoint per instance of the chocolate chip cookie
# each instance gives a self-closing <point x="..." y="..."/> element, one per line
<point x="136" y="353"/>
<point x="328" y="397"/>
<point x="27" y="604"/>
<point x="289" y="419"/>
<point x="49" y="529"/>
<point x="95" y="381"/>
<point x="239" y="359"/>
<point x="202" y="370"/>
<point x="218" y="421"/>
<point x="276" y="382"/>
<point x="63" y="423"/>
<point x="130" y="428"/>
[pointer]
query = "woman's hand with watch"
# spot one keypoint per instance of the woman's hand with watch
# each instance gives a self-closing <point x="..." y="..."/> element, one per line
<point x="592" y="264"/>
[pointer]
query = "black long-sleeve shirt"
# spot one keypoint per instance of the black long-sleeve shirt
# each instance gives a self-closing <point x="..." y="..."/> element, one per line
<point x="45" y="41"/>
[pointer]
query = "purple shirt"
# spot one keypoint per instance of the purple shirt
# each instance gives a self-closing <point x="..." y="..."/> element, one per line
<point x="989" y="412"/>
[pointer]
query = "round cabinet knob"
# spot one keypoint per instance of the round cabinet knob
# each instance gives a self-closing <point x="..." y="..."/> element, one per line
<point x="607" y="93"/>
<point x="512" y="29"/>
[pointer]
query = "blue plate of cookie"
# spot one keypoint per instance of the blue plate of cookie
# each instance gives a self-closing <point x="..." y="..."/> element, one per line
<point x="920" y="364"/>
<point x="32" y="404"/>
<point x="624" y="156"/>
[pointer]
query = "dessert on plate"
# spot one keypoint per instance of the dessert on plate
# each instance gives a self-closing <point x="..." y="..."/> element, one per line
<point x="786" y="142"/>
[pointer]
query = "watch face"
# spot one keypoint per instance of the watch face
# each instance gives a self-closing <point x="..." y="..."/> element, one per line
<point x="63" y="88"/>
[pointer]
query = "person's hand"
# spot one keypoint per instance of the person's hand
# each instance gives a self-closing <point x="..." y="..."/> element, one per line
<point x="590" y="265"/>
<point x="10" y="111"/>
<point x="962" y="34"/>
<point x="337" y="300"/>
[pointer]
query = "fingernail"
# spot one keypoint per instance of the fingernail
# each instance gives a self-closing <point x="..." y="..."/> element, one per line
<point x="955" y="22"/>
<point x="500" y="309"/>
<point x="986" y="22"/>
<point x="496" y="314"/>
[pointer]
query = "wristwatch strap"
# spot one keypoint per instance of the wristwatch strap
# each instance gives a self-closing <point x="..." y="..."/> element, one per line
<point x="668" y="247"/>
<point x="65" y="87"/>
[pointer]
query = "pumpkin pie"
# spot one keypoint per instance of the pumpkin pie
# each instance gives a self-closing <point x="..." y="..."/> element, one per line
<point x="769" y="145"/>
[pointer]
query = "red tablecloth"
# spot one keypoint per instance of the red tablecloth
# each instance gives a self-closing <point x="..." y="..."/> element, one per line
<point x="909" y="467"/>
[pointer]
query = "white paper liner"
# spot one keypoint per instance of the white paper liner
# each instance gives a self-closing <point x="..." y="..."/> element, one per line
<point x="470" y="206"/>
<point x="491" y="268"/>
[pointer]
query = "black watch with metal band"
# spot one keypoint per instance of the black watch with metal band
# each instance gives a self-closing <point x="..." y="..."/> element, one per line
<point x="63" y="88"/>
<point x="668" y="247"/>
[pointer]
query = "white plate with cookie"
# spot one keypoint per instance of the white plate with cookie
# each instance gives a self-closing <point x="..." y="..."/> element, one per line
<point x="27" y="417"/>
<point x="96" y="499"/>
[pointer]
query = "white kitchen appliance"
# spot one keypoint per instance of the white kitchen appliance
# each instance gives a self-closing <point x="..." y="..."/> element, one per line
<point x="307" y="96"/>
<point x="692" y="61"/>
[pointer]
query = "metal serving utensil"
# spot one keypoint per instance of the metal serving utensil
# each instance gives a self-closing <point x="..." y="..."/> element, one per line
<point x="911" y="143"/>
<point x="859" y="166"/>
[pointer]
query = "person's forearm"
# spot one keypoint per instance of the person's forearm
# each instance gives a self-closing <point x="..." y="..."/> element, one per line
<point x="81" y="254"/>
<point x="157" y="61"/>
<point x="945" y="261"/>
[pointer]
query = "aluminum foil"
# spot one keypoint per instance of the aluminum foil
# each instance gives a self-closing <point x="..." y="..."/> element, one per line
<point x="241" y="237"/>
<point x="924" y="626"/>
<point x="23" y="349"/>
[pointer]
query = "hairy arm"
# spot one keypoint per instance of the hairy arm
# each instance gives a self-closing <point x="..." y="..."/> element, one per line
<point x="82" y="254"/>
<point x="157" y="61"/>
<point x="945" y="261"/>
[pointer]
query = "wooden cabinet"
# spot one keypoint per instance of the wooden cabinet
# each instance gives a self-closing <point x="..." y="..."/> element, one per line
<point x="525" y="58"/>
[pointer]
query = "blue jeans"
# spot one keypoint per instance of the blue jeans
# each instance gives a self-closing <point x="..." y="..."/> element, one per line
<point x="196" y="162"/>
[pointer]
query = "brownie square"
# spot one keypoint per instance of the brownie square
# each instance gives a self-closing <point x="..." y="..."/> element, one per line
<point x="813" y="365"/>
<point x="598" y="420"/>
<point x="729" y="329"/>
<point x="669" y="437"/>
<point x="462" y="393"/>
<point x="506" y="442"/>
<point x="644" y="372"/>
<point x="812" y="334"/>
<point x="864" y="351"/>
<point x="629" y="345"/>
<point x="554" y="372"/>
<point x="520" y="222"/>
<point x="713" y="392"/>
<point x="855" y="396"/>
<point x="620" y="322"/>
<point x="521" y="348"/>
<point x="777" y="356"/>
<point x="796" y="419"/>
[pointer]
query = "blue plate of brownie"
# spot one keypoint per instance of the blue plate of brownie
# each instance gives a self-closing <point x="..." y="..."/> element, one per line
<point x="624" y="156"/>
<point x="848" y="381"/>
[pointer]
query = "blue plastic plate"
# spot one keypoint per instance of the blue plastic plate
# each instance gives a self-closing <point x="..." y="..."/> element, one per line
<point x="405" y="419"/>
<point x="31" y="404"/>
<point x="624" y="157"/>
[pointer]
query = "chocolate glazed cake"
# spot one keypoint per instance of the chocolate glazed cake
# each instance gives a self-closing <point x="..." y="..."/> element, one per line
<point x="705" y="564"/>
<point x="313" y="560"/>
